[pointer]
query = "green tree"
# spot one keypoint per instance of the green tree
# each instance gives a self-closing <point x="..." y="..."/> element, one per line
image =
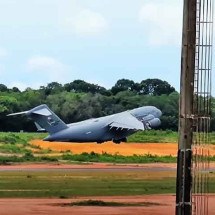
<point x="155" y="87"/>
<point x="81" y="86"/>
<point x="124" y="85"/>
<point x="16" y="90"/>
<point x="3" y="88"/>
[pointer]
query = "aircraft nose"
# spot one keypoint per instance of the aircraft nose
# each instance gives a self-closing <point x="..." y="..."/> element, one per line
<point x="158" y="113"/>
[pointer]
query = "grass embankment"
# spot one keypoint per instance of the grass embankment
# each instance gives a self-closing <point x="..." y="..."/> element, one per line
<point x="158" y="136"/>
<point x="17" y="143"/>
<point x="154" y="136"/>
<point x="88" y="157"/>
<point x="17" y="147"/>
<point x="109" y="158"/>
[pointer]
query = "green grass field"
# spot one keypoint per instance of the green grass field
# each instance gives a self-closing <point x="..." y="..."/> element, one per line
<point x="64" y="184"/>
<point x="154" y="136"/>
<point x="17" y="143"/>
<point x="158" y="136"/>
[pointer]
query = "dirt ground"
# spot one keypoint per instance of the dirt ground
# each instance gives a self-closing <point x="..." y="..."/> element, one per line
<point x="110" y="147"/>
<point x="52" y="207"/>
<point x="126" y="149"/>
<point x="165" y="205"/>
<point x="159" y="204"/>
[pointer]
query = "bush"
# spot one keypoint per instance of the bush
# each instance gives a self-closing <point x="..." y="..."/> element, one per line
<point x="104" y="157"/>
<point x="28" y="156"/>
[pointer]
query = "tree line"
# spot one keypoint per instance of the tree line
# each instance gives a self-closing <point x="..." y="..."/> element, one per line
<point x="79" y="100"/>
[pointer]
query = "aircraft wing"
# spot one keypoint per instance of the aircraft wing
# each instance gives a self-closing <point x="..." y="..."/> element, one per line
<point x="126" y="120"/>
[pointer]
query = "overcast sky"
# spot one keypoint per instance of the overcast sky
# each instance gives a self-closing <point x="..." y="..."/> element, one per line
<point x="99" y="41"/>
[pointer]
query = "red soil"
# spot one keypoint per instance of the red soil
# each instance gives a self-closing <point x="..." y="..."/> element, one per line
<point x="51" y="206"/>
<point x="166" y="206"/>
<point x="126" y="149"/>
<point x="110" y="147"/>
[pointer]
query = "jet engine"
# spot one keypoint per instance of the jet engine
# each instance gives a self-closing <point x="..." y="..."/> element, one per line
<point x="154" y="123"/>
<point x="147" y="118"/>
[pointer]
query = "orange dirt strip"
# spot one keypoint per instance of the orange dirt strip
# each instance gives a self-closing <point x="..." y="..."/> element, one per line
<point x="125" y="149"/>
<point x="110" y="148"/>
<point x="51" y="206"/>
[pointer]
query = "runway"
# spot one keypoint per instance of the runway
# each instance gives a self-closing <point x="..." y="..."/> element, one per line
<point x="90" y="167"/>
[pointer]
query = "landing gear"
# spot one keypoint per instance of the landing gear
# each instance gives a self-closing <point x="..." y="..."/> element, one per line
<point x="118" y="141"/>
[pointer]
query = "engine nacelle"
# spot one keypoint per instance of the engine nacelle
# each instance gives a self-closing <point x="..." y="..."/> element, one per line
<point x="154" y="122"/>
<point x="148" y="118"/>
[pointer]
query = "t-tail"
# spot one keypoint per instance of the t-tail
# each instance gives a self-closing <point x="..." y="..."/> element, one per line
<point x="44" y="119"/>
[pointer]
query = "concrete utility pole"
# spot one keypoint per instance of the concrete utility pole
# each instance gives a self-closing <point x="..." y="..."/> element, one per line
<point x="184" y="176"/>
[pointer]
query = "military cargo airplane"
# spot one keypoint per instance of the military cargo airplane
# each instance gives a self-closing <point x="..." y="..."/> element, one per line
<point x="114" y="127"/>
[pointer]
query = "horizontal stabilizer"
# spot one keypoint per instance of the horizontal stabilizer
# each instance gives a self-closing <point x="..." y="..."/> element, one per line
<point x="39" y="128"/>
<point x="19" y="113"/>
<point x="43" y="112"/>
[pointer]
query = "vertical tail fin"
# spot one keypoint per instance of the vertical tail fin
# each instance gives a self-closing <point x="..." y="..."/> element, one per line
<point x="46" y="119"/>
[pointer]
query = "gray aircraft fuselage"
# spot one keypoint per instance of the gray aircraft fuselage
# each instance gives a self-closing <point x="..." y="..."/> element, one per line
<point x="114" y="127"/>
<point x="97" y="130"/>
<point x="91" y="130"/>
